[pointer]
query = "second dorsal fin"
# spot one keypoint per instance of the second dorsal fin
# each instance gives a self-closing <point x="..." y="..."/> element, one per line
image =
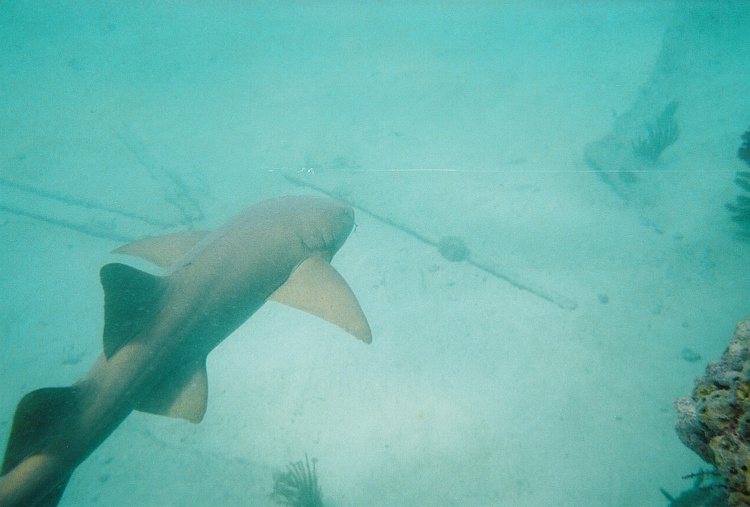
<point x="41" y="417"/>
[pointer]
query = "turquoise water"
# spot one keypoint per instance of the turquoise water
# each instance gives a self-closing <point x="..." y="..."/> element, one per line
<point x="539" y="368"/>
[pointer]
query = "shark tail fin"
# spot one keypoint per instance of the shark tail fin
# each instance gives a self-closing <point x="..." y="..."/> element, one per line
<point x="40" y="416"/>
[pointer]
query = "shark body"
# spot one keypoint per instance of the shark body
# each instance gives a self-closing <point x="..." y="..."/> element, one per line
<point x="158" y="331"/>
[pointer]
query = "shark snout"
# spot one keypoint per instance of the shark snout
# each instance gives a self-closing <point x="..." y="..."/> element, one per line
<point x="342" y="227"/>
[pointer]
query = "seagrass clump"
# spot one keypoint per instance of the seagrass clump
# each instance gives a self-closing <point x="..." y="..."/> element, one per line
<point x="660" y="134"/>
<point x="298" y="486"/>
<point x="740" y="208"/>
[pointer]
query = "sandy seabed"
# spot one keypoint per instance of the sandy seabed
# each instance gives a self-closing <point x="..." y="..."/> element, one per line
<point x="441" y="120"/>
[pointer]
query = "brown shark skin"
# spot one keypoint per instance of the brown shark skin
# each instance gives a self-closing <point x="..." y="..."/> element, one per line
<point x="209" y="292"/>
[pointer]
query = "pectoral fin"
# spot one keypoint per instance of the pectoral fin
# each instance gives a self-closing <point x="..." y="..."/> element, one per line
<point x="183" y="394"/>
<point x="315" y="287"/>
<point x="163" y="250"/>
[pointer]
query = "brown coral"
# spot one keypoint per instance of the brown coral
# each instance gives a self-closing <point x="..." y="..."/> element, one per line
<point x="715" y="421"/>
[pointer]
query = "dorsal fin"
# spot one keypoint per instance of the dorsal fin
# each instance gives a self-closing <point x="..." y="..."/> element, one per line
<point x="163" y="250"/>
<point x="182" y="394"/>
<point x="131" y="299"/>
<point x="315" y="287"/>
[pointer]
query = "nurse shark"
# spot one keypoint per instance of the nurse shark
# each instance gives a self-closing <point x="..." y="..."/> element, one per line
<point x="158" y="330"/>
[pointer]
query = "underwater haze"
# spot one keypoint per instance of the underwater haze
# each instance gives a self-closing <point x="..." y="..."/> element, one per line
<point x="543" y="247"/>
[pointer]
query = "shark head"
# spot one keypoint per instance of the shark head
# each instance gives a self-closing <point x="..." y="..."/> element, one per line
<point x="324" y="223"/>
